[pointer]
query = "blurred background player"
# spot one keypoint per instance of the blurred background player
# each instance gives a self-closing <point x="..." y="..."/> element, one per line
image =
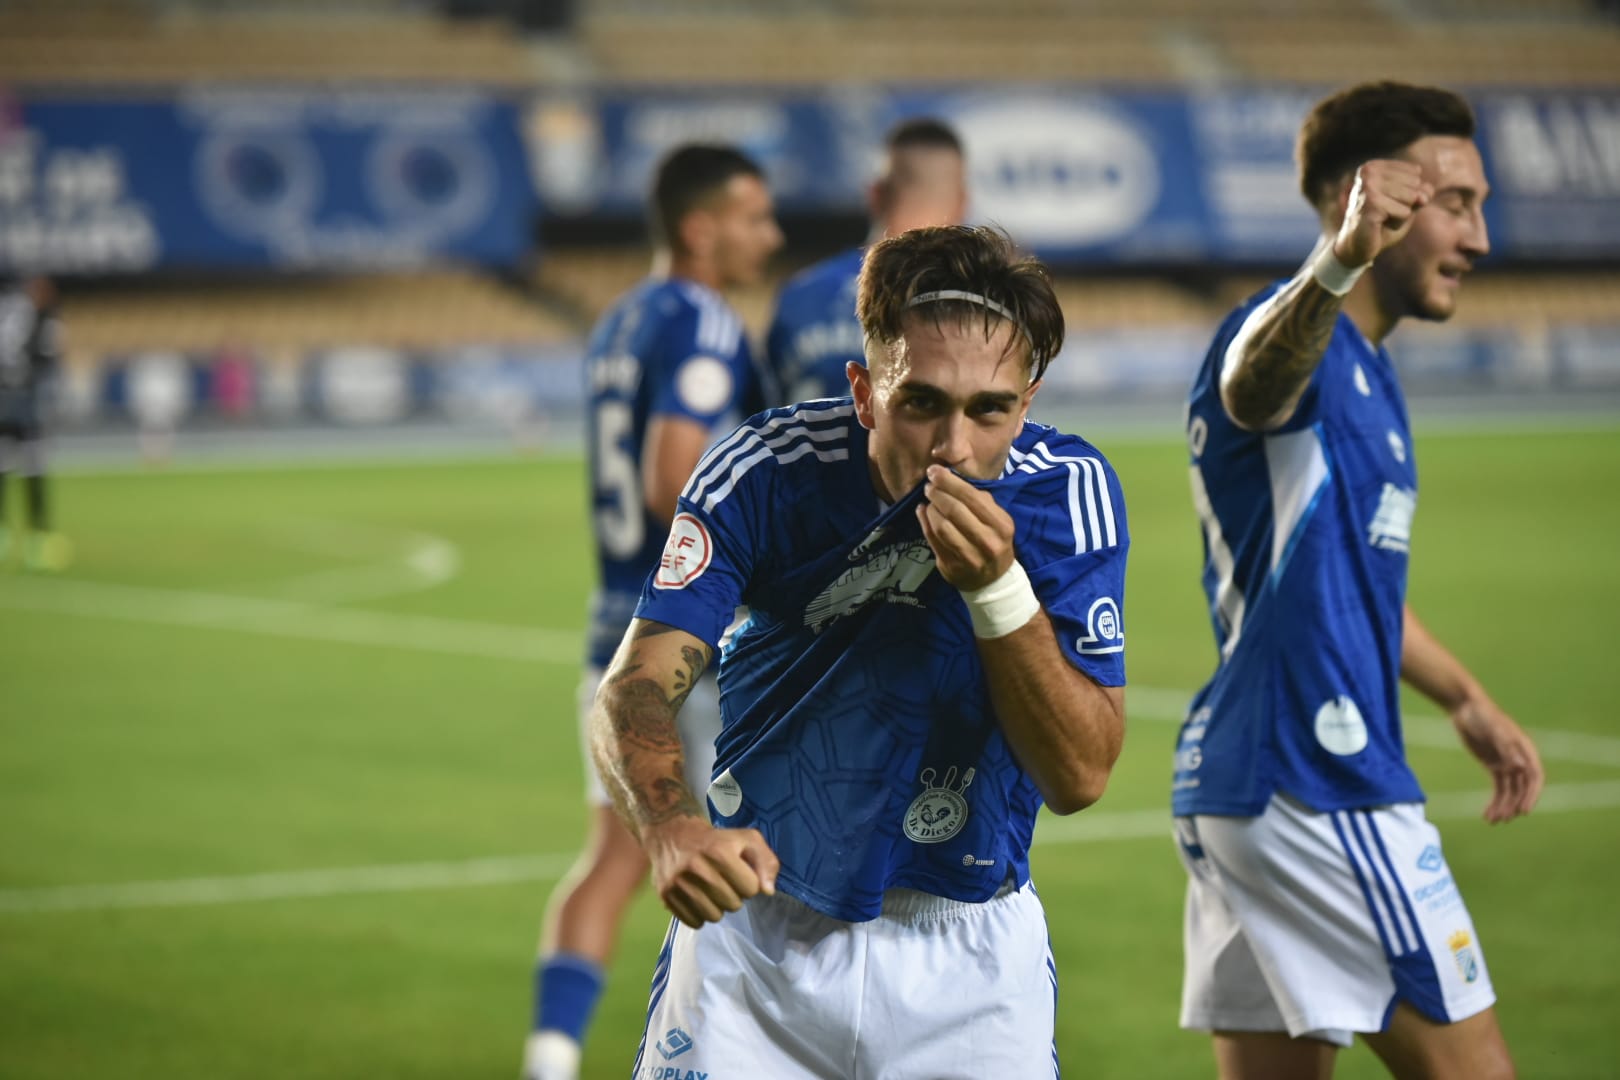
<point x="667" y="368"/>
<point x="1319" y="904"/>
<point x="29" y="353"/>
<point x="815" y="334"/>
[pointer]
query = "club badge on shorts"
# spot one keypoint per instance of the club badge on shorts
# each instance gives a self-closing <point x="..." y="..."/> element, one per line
<point x="939" y="812"/>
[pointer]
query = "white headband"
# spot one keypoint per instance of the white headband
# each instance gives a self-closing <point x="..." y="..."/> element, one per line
<point x="972" y="298"/>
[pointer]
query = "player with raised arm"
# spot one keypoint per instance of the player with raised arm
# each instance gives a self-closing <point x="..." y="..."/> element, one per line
<point x="668" y="368"/>
<point x="935" y="648"/>
<point x="814" y="334"/>
<point x="1319" y="903"/>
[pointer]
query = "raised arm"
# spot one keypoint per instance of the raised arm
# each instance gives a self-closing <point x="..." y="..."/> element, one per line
<point x="1271" y="359"/>
<point x="700" y="872"/>
<point x="1488" y="732"/>
<point x="1065" y="729"/>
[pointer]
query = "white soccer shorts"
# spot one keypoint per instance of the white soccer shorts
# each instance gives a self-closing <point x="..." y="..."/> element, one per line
<point x="698" y="723"/>
<point x="1318" y="924"/>
<point x="932" y="989"/>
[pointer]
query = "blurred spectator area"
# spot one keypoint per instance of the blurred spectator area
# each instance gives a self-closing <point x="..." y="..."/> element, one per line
<point x="153" y="42"/>
<point x="437" y="310"/>
<point x="1567" y="42"/>
<point x="1113" y="41"/>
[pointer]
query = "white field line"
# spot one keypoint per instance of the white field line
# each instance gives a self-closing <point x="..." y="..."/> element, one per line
<point x="291" y="619"/>
<point x="378" y="562"/>
<point x="492" y="640"/>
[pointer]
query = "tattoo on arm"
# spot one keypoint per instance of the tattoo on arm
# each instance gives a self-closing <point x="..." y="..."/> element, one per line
<point x="642" y="710"/>
<point x="1281" y="354"/>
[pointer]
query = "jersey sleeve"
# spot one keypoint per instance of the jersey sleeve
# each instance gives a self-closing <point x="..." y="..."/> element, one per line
<point x="709" y="555"/>
<point x="703" y="365"/>
<point x="1072" y="539"/>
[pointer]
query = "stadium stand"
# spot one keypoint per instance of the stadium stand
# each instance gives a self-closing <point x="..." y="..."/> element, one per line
<point x="424" y="310"/>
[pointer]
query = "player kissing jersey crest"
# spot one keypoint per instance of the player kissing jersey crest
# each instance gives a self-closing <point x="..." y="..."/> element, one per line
<point x="856" y="677"/>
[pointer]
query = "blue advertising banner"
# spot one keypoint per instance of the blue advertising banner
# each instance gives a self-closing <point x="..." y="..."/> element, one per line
<point x="256" y="178"/>
<point x="1082" y="175"/>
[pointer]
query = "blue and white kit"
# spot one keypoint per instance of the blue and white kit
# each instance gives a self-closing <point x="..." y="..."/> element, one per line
<point x="1306" y="534"/>
<point x="858" y="734"/>
<point x="671" y="348"/>
<point x="815" y="334"/>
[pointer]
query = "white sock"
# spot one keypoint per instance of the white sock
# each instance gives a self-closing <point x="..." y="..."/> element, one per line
<point x="550" y="1055"/>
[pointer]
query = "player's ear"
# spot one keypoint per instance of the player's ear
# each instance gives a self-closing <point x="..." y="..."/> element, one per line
<point x="860" y="388"/>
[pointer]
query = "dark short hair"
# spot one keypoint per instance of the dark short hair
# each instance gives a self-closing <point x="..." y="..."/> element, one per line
<point x="689" y="176"/>
<point x="964" y="258"/>
<point x="923" y="133"/>
<point x="1369" y="121"/>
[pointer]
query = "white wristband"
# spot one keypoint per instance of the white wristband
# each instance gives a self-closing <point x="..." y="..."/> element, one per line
<point x="1003" y="605"/>
<point x="1332" y="274"/>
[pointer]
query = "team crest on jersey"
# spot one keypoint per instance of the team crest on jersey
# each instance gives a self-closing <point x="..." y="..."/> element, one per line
<point x="891" y="575"/>
<point x="939" y="812"/>
<point x="686" y="555"/>
<point x="1105" y="631"/>
<point x="1462" y="950"/>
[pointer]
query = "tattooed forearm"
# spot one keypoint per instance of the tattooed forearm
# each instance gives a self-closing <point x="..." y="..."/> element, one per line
<point x="637" y="745"/>
<point x="1269" y="366"/>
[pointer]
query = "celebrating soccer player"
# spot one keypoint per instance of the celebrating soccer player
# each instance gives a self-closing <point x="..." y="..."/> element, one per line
<point x="935" y="648"/>
<point x="1319" y="903"/>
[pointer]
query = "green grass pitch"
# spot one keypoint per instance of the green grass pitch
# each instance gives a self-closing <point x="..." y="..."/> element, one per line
<point x="251" y="676"/>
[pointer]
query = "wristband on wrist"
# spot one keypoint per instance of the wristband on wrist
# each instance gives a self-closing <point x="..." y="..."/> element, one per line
<point x="1002" y="606"/>
<point x="1332" y="274"/>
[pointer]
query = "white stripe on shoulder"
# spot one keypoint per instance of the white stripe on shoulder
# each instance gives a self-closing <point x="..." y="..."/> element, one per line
<point x="1091" y="504"/>
<point x="824" y="432"/>
<point x="718" y="327"/>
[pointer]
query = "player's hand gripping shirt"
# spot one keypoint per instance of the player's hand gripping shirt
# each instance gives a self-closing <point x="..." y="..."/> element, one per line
<point x="858" y="732"/>
<point x="668" y="348"/>
<point x="815" y="333"/>
<point x="1306" y="532"/>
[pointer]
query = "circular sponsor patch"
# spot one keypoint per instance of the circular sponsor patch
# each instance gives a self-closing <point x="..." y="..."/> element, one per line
<point x="935" y="815"/>
<point x="1340" y="728"/>
<point x="703" y="384"/>
<point x="686" y="553"/>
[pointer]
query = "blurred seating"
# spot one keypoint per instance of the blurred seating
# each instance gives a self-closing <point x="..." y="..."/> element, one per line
<point x="49" y="43"/>
<point x="427" y="310"/>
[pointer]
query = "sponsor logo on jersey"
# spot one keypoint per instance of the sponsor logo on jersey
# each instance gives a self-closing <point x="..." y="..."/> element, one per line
<point x="1105" y="632"/>
<point x="892" y="575"/>
<point x="939" y="812"/>
<point x="1462" y="950"/>
<point x="704" y="385"/>
<point x="1391" y="526"/>
<point x="1340" y="727"/>
<point x="686" y="555"/>
<point x="973" y="860"/>
<point x="674" y="1043"/>
<point x="1431" y="859"/>
<point x="726" y="794"/>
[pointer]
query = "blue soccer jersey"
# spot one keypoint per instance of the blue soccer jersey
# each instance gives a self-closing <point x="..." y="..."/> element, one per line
<point x="1306" y="530"/>
<point x="670" y="347"/>
<point x="858" y="735"/>
<point x="815" y="333"/>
